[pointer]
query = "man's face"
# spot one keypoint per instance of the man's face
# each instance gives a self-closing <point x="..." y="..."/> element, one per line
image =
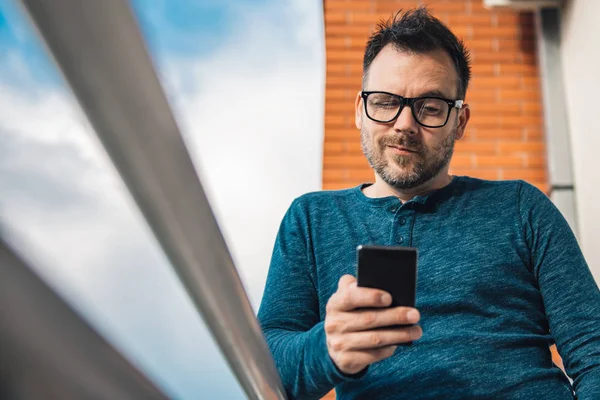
<point x="402" y="152"/>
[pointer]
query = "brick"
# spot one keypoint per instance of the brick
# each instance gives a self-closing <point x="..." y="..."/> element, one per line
<point x="366" y="18"/>
<point x="482" y="69"/>
<point x="463" y="32"/>
<point x="481" y="108"/>
<point x="360" y="32"/>
<point x="516" y="45"/>
<point x="337" y="174"/>
<point x="352" y="56"/>
<point x="345" y="146"/>
<point x="487" y="96"/>
<point x="484" y="120"/>
<point x="344" y="82"/>
<point x="521" y="69"/>
<point x="331" y="119"/>
<point x="337" y="133"/>
<point x="525" y="174"/>
<point x="339" y="43"/>
<point x="506" y="82"/>
<point x="500" y="32"/>
<point x="337" y="186"/>
<point x="336" y="18"/>
<point x="393" y="6"/>
<point x="510" y="147"/>
<point x="339" y="94"/>
<point x="453" y="7"/>
<point x="334" y="148"/>
<point x="487" y="57"/>
<point x="504" y="18"/>
<point x="485" y="19"/>
<point x="531" y="82"/>
<point x="482" y="45"/>
<point x="529" y="57"/>
<point x="339" y="107"/>
<point x="344" y="69"/>
<point x="536" y="161"/>
<point x="534" y="133"/>
<point x="481" y="173"/>
<point x="520" y="120"/>
<point x="526" y="18"/>
<point x="338" y="121"/>
<point x="339" y="5"/>
<point x="519" y="95"/>
<point x="462" y="161"/>
<point x="499" y="134"/>
<point x="477" y="147"/>
<point x="476" y="6"/>
<point x="344" y="161"/>
<point x="531" y="108"/>
<point x="500" y="161"/>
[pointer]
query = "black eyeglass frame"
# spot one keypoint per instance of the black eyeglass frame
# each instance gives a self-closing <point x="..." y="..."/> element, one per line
<point x="410" y="101"/>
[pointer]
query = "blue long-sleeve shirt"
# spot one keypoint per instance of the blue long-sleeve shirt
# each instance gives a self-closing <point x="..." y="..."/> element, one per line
<point x="500" y="278"/>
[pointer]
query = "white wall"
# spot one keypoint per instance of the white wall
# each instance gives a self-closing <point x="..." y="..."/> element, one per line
<point x="581" y="65"/>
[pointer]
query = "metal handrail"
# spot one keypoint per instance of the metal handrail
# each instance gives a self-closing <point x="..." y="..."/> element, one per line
<point x="48" y="351"/>
<point x="100" y="51"/>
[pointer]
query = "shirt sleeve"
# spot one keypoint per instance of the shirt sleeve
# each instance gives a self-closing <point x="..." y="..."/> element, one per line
<point x="289" y="314"/>
<point x="570" y="294"/>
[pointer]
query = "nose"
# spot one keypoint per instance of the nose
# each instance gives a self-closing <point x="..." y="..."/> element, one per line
<point x="406" y="123"/>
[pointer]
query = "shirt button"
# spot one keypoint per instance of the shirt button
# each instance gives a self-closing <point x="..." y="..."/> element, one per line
<point x="393" y="209"/>
<point x="402" y="221"/>
<point x="400" y="239"/>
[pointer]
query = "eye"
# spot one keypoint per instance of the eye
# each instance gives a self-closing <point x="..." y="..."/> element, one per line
<point x="387" y="104"/>
<point x="431" y="109"/>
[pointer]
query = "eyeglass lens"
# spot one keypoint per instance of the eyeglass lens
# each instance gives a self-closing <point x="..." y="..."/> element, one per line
<point x="427" y="111"/>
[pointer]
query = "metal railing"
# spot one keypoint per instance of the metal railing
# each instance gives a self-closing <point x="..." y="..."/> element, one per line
<point x="48" y="351"/>
<point x="101" y="53"/>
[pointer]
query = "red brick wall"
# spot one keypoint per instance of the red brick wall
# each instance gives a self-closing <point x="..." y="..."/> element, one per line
<point x="504" y="138"/>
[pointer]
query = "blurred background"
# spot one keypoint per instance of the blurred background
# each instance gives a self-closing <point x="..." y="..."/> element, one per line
<point x="263" y="92"/>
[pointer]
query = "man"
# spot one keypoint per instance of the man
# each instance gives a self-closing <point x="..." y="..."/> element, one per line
<point x="500" y="276"/>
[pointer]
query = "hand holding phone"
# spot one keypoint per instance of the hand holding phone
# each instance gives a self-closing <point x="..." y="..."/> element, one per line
<point x="362" y="327"/>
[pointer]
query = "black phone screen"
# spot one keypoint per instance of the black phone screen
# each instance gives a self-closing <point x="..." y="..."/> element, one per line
<point x="393" y="269"/>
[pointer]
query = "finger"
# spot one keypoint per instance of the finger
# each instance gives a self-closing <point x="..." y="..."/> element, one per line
<point x="360" y="320"/>
<point x="355" y="361"/>
<point x="374" y="339"/>
<point x="345" y="281"/>
<point x="360" y="297"/>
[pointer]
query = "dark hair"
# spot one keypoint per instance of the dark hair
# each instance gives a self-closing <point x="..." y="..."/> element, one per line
<point x="418" y="31"/>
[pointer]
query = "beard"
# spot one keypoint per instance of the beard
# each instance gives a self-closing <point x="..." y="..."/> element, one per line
<point x="410" y="170"/>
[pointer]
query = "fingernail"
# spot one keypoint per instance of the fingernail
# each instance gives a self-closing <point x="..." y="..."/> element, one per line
<point x="386" y="299"/>
<point x="415" y="334"/>
<point x="413" y="316"/>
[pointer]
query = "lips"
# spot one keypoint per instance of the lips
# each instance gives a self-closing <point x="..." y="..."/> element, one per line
<point x="402" y="149"/>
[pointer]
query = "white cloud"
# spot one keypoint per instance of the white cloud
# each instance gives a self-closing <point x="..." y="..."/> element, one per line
<point x="252" y="117"/>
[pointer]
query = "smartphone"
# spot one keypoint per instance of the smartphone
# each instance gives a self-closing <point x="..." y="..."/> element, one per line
<point x="390" y="268"/>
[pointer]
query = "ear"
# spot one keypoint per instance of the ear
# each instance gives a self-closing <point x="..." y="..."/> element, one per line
<point x="464" y="114"/>
<point x="358" y="111"/>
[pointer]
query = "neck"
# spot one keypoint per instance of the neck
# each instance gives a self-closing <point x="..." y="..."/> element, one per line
<point x="382" y="189"/>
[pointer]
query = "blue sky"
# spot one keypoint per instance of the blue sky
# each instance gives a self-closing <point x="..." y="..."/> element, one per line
<point x="171" y="28"/>
<point x="70" y="212"/>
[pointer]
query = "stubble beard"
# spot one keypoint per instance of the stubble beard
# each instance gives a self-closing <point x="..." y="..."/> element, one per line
<point x="409" y="171"/>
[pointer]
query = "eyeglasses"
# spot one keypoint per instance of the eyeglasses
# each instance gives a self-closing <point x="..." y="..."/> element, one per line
<point x="430" y="112"/>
